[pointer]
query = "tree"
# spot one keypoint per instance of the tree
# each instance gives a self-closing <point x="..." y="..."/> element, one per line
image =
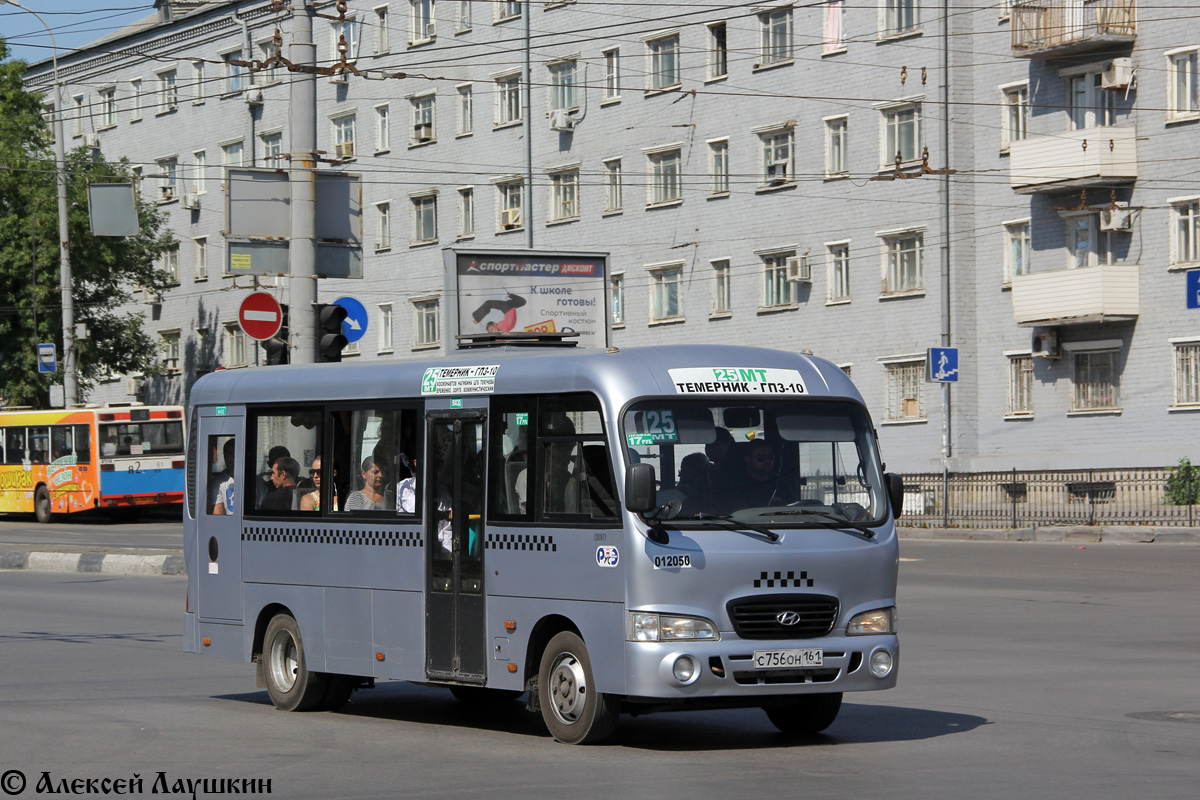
<point x="107" y="271"/>
<point x="1183" y="484"/>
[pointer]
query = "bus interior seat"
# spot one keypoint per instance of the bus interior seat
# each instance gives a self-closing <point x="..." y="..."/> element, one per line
<point x="514" y="464"/>
<point x="598" y="500"/>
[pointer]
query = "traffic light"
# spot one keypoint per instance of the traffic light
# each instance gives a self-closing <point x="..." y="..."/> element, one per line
<point x="329" y="329"/>
<point x="277" y="345"/>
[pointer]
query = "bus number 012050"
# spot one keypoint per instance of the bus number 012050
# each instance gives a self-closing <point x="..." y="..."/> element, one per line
<point x="672" y="562"/>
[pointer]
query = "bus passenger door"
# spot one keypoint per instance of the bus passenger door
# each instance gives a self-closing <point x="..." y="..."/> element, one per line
<point x="219" y="519"/>
<point x="454" y="601"/>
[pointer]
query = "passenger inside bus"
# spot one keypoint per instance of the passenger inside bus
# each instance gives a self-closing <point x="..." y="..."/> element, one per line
<point x="284" y="474"/>
<point x="266" y="484"/>
<point x="221" y="484"/>
<point x="370" y="497"/>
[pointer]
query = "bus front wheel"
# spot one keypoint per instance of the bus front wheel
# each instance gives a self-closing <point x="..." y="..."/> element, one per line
<point x="572" y="708"/>
<point x="41" y="504"/>
<point x="291" y="685"/>
<point x="807" y="714"/>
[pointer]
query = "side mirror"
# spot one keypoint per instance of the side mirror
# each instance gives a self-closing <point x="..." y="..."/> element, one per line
<point x="640" y="495"/>
<point x="895" y="490"/>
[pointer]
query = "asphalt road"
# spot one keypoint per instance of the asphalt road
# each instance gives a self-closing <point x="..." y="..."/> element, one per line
<point x="84" y="533"/>
<point x="1028" y="670"/>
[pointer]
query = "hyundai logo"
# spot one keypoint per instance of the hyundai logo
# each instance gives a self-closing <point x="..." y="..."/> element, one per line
<point x="788" y="617"/>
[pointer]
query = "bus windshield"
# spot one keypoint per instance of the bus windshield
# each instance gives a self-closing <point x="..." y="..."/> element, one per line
<point x="795" y="463"/>
<point x="153" y="437"/>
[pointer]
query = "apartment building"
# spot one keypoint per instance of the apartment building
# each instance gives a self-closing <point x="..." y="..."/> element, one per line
<point x="854" y="180"/>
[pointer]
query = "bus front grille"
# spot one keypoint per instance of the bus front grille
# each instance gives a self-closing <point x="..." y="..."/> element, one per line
<point x="763" y="616"/>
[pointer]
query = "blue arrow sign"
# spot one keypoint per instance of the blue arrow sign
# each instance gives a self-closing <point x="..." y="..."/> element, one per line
<point x="941" y="365"/>
<point x="1193" y="288"/>
<point x="355" y="323"/>
<point x="47" y="358"/>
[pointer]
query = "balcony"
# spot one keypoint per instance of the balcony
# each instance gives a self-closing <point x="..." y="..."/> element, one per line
<point x="1102" y="156"/>
<point x="1105" y="293"/>
<point x="1056" y="28"/>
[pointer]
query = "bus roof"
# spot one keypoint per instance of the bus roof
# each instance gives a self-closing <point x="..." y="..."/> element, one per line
<point x="617" y="375"/>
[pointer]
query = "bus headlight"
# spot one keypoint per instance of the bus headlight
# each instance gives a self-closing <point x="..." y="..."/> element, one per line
<point x="646" y="626"/>
<point x="881" y="620"/>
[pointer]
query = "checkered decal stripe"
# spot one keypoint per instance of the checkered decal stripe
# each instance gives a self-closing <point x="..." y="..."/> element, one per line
<point x="521" y="541"/>
<point x="361" y="538"/>
<point x="783" y="580"/>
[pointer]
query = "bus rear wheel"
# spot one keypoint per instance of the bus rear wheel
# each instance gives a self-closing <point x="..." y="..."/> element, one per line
<point x="41" y="504"/>
<point x="807" y="714"/>
<point x="291" y="685"/>
<point x="573" y="710"/>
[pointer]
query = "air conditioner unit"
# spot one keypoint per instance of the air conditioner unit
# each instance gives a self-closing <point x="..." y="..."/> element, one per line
<point x="561" y="120"/>
<point x="190" y="201"/>
<point x="430" y="30"/>
<point x="1116" y="219"/>
<point x="1118" y="74"/>
<point x="345" y="149"/>
<point x="510" y="218"/>
<point x="777" y="172"/>
<point x="91" y="140"/>
<point x="253" y="97"/>
<point x="133" y="386"/>
<point x="799" y="270"/>
<point x="151" y="297"/>
<point x="168" y="193"/>
<point x="1045" y="344"/>
<point x="422" y="132"/>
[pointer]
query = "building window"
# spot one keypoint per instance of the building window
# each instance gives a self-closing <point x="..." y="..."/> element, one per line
<point x="235" y="346"/>
<point x="347" y="30"/>
<point x="904" y="381"/>
<point x="383" y="226"/>
<point x="235" y="76"/>
<point x="108" y="107"/>
<point x="837" y="259"/>
<point x="777" y="289"/>
<point x="422" y="119"/>
<point x="507" y="9"/>
<point x="267" y="51"/>
<point x="168" y="91"/>
<point x="1187" y="373"/>
<point x="1015" y="124"/>
<point x="834" y="29"/>
<point x="170" y="262"/>
<point x="1016" y="249"/>
<point x="665" y="287"/>
<point x="775" y="36"/>
<point x="385" y="327"/>
<point x="199" y="86"/>
<point x="722" y="300"/>
<point x="508" y="99"/>
<point x="426" y="323"/>
<point x="424" y="219"/>
<point x="199" y="169"/>
<point x="564" y="195"/>
<point x="901" y="135"/>
<point x="343" y="136"/>
<point x="231" y="154"/>
<point x="664" y="177"/>
<point x="1097" y="384"/>
<point x="169" y="346"/>
<point x="612" y="185"/>
<point x="272" y="144"/>
<point x="718" y="51"/>
<point x="420" y="21"/>
<point x="836" y="129"/>
<point x="1091" y="105"/>
<point x="564" y="85"/>
<point x="77" y="128"/>
<point x="903" y="267"/>
<point x="1020" y="386"/>
<point x="200" y="256"/>
<point x="899" y="16"/>
<point x="168" y="170"/>
<point x="616" y="287"/>
<point x="466" y="213"/>
<point x="466" y="110"/>
<point x="1185" y="230"/>
<point x="383" y="128"/>
<point x="777" y="163"/>
<point x="718" y="166"/>
<point x="135" y="100"/>
<point x="1183" y="88"/>
<point x="510" y="193"/>
<point x="1087" y="245"/>
<point x="382" y="45"/>
<point x="612" y="74"/>
<point x="663" y="67"/>
<point x="464" y="15"/>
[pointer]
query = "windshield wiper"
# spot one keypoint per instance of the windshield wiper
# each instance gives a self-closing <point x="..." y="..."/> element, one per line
<point x="834" y="520"/>
<point x="735" y="524"/>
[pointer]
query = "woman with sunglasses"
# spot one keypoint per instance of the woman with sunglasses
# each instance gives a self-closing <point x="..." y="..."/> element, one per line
<point x="312" y="500"/>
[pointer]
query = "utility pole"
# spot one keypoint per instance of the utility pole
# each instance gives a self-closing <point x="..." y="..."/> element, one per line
<point x="302" y="250"/>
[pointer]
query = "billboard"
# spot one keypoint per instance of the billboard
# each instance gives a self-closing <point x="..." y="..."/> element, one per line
<point x="530" y="291"/>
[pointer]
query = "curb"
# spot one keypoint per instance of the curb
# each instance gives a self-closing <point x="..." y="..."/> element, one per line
<point x="104" y="563"/>
<point x="1081" y="534"/>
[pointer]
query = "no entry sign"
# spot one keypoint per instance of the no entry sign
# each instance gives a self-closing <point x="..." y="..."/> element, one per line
<point x="260" y="316"/>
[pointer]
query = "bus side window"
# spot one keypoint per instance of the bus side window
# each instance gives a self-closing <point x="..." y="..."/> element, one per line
<point x="16" y="445"/>
<point x="221" y="484"/>
<point x="510" y="473"/>
<point x="39" y="445"/>
<point x="83" y="445"/>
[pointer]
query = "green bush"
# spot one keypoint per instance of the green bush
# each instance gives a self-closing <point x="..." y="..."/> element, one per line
<point x="1183" y="484"/>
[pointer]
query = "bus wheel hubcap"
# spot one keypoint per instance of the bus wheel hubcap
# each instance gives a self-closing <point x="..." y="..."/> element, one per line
<point x="568" y="688"/>
<point x="284" y="663"/>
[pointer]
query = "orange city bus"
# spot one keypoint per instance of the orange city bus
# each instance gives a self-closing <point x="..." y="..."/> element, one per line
<point x="121" y="459"/>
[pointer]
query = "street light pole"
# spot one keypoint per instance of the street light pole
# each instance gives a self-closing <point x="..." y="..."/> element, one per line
<point x="70" y="375"/>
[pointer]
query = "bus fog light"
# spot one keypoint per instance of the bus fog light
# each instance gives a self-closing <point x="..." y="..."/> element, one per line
<point x="881" y="663"/>
<point x="684" y="669"/>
